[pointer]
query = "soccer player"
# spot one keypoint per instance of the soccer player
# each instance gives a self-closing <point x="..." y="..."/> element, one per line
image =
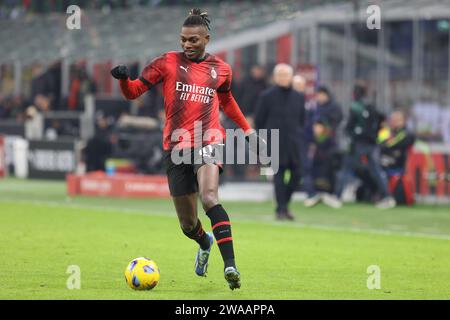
<point x="194" y="84"/>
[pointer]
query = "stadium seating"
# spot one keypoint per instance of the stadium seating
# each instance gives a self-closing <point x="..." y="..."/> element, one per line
<point x="143" y="31"/>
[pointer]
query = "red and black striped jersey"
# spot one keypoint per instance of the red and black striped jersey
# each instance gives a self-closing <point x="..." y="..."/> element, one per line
<point x="190" y="91"/>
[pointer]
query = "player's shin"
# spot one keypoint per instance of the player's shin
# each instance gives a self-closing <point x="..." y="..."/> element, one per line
<point x="198" y="235"/>
<point x="221" y="227"/>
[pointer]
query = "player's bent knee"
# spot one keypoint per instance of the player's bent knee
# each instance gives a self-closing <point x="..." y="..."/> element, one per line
<point x="209" y="199"/>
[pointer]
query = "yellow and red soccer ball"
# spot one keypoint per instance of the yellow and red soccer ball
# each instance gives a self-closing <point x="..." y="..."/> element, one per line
<point x="142" y="274"/>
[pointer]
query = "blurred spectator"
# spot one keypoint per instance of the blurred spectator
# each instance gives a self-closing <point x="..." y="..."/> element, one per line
<point x="80" y="86"/>
<point x="363" y="126"/>
<point x="39" y="83"/>
<point x="42" y="103"/>
<point x="150" y="104"/>
<point x="141" y="107"/>
<point x="18" y="110"/>
<point x="250" y="89"/>
<point x="2" y="107"/>
<point x="281" y="107"/>
<point x="47" y="82"/>
<point x="12" y="107"/>
<point x="34" y="124"/>
<point x="321" y="149"/>
<point x="54" y="84"/>
<point x="5" y="107"/>
<point x="299" y="83"/>
<point x="396" y="143"/>
<point x="246" y="93"/>
<point x="99" y="147"/>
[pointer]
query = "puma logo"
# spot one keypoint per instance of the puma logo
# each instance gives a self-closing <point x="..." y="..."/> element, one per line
<point x="184" y="68"/>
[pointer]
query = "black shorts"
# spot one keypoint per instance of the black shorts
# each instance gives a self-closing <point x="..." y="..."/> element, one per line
<point x="182" y="177"/>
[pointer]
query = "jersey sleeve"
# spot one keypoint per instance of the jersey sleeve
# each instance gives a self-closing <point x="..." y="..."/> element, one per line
<point x="132" y="89"/>
<point x="226" y="85"/>
<point x="154" y="72"/>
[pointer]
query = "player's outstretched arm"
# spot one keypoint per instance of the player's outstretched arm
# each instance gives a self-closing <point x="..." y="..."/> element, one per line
<point x="131" y="89"/>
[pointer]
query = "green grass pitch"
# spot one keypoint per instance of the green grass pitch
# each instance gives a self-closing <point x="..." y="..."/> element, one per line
<point x="323" y="255"/>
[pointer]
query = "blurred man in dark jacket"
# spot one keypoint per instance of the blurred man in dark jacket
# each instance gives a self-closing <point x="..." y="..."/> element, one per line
<point x="99" y="147"/>
<point x="321" y="147"/>
<point x="363" y="126"/>
<point x="251" y="89"/>
<point x="281" y="107"/>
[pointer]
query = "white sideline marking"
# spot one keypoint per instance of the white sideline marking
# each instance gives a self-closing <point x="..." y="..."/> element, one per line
<point x="264" y="220"/>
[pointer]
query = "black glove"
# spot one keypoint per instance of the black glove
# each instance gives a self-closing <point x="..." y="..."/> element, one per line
<point x="120" y="72"/>
<point x="260" y="146"/>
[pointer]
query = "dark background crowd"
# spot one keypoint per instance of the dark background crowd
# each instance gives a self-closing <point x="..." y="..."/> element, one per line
<point x="323" y="145"/>
<point x="376" y="153"/>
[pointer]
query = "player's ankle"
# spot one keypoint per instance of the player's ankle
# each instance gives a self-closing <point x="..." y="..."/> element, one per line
<point x="229" y="263"/>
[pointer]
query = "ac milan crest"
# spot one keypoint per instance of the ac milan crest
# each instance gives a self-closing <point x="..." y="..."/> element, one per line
<point x="213" y="73"/>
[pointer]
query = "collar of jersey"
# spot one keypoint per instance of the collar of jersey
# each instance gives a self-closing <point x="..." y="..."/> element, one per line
<point x="199" y="60"/>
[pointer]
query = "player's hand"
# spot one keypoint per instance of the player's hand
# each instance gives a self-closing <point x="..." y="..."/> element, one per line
<point x="120" y="72"/>
<point x="256" y="144"/>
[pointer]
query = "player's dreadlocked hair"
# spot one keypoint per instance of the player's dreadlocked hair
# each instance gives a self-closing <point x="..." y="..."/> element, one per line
<point x="197" y="17"/>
